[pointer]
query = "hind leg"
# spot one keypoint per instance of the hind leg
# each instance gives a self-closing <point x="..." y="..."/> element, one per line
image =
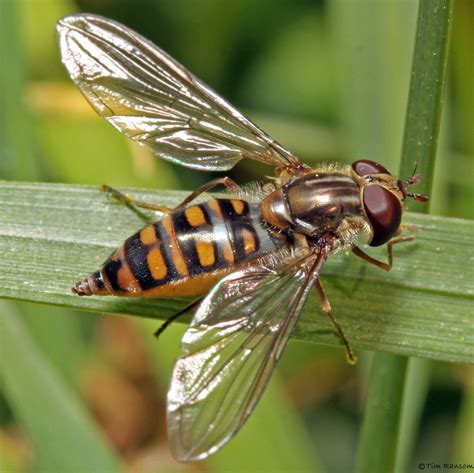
<point x="225" y="181"/>
<point x="326" y="306"/>
<point x="129" y="200"/>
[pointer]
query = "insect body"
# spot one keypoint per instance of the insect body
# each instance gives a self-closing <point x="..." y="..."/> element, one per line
<point x="261" y="254"/>
<point x="186" y="252"/>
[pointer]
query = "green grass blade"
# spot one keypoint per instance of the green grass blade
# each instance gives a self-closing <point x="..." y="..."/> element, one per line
<point x="381" y="421"/>
<point x="67" y="442"/>
<point x="417" y="383"/>
<point x="54" y="235"/>
<point x="465" y="428"/>
<point x="17" y="156"/>
<point x="425" y="100"/>
<point x="392" y="426"/>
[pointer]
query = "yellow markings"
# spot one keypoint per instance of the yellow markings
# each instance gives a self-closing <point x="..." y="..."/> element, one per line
<point x="249" y="242"/>
<point x="238" y="205"/>
<point x="192" y="286"/>
<point x="119" y="254"/>
<point x="224" y="244"/>
<point x="195" y="216"/>
<point x="156" y="264"/>
<point x="214" y="206"/>
<point x="148" y="235"/>
<point x="206" y="254"/>
<point x="176" y="254"/>
<point x="126" y="279"/>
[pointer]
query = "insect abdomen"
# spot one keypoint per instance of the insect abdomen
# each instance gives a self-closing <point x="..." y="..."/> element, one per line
<point x="186" y="252"/>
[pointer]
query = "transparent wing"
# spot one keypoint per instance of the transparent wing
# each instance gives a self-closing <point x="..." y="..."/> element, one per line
<point x="155" y="101"/>
<point x="230" y="351"/>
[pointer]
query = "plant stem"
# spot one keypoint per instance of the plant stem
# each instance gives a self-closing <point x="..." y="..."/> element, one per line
<point x="425" y="98"/>
<point x="391" y="406"/>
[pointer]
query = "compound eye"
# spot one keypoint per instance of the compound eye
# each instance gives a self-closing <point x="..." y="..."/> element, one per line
<point x="365" y="167"/>
<point x="384" y="212"/>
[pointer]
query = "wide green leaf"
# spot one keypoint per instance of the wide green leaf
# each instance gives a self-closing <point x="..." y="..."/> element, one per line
<point x="53" y="235"/>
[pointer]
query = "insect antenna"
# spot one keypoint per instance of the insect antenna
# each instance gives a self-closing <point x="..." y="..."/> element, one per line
<point x="418" y="197"/>
<point x="183" y="311"/>
<point x="411" y="181"/>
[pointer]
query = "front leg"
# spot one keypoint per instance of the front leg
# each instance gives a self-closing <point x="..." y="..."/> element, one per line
<point x="394" y="241"/>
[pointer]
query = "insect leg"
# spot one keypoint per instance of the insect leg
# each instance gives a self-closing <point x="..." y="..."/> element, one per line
<point x="169" y="321"/>
<point x="129" y="200"/>
<point x="381" y="264"/>
<point x="226" y="181"/>
<point x="326" y="306"/>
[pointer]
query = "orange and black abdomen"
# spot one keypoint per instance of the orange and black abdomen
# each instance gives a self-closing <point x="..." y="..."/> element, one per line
<point x="186" y="252"/>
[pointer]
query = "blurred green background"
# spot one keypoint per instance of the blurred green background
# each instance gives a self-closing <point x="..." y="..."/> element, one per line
<point x="329" y="80"/>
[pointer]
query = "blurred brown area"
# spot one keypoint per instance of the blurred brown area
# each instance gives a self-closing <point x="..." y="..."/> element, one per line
<point x="119" y="385"/>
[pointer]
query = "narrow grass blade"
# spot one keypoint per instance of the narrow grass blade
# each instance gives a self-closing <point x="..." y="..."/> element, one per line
<point x="400" y="406"/>
<point x="425" y="100"/>
<point x="381" y="421"/>
<point x="417" y="383"/>
<point x="465" y="428"/>
<point x="17" y="156"/>
<point x="61" y="430"/>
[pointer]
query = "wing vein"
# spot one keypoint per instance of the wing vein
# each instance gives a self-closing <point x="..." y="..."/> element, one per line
<point x="143" y="92"/>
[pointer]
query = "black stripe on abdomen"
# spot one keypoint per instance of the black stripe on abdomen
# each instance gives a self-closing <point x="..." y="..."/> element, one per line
<point x="136" y="254"/>
<point x="110" y="269"/>
<point x="189" y="236"/>
<point x="227" y="226"/>
<point x="237" y="225"/>
<point x="133" y="260"/>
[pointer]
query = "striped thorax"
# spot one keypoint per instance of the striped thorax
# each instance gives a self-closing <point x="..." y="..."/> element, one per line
<point x="319" y="202"/>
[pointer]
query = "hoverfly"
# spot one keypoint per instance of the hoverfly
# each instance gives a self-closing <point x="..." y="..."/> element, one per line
<point x="259" y="255"/>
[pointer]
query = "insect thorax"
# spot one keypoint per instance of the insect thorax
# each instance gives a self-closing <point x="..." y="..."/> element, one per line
<point x="316" y="204"/>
